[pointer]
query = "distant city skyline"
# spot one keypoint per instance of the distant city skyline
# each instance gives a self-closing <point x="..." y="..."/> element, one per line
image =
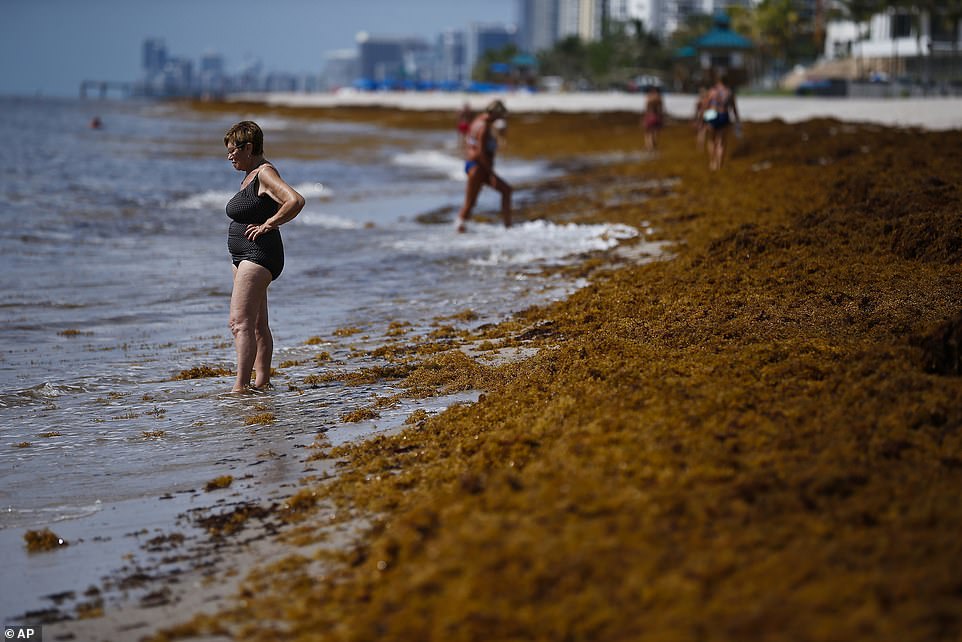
<point x="51" y="46"/>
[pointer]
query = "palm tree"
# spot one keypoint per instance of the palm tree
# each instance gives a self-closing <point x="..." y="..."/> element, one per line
<point x="778" y="25"/>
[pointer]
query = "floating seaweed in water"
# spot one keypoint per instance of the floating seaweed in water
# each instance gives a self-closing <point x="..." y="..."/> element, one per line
<point x="347" y="331"/>
<point x="72" y="332"/>
<point x="398" y="328"/>
<point x="44" y="540"/>
<point x="361" y="414"/>
<point x="203" y="372"/>
<point x="218" y="483"/>
<point x="262" y="418"/>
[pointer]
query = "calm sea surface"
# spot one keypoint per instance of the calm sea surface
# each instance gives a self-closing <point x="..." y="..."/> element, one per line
<point x="115" y="277"/>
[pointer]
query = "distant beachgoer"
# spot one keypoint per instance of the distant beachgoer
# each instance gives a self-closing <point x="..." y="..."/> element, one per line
<point x="480" y="146"/>
<point x="465" y="116"/>
<point x="96" y="123"/>
<point x="264" y="203"/>
<point x="720" y="108"/>
<point x="654" y="118"/>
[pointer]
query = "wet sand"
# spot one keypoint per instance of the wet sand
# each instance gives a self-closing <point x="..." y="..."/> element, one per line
<point x="755" y="437"/>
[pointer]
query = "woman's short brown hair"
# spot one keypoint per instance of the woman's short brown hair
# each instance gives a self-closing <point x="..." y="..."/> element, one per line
<point x="246" y="131"/>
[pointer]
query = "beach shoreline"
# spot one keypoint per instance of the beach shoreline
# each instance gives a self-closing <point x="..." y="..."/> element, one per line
<point x="729" y="441"/>
<point x="937" y="113"/>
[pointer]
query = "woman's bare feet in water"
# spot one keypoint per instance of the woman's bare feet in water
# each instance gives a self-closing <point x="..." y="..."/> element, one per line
<point x="253" y="390"/>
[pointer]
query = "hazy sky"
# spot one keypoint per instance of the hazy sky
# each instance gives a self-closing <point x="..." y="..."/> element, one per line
<point x="50" y="46"/>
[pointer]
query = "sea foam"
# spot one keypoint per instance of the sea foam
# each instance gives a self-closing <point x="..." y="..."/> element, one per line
<point x="440" y="163"/>
<point x="529" y="243"/>
<point x="217" y="199"/>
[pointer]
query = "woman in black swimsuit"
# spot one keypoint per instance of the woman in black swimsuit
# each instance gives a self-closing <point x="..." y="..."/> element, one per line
<point x="264" y="203"/>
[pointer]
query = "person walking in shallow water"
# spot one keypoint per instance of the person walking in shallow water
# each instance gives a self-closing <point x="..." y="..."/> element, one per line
<point x="263" y="204"/>
<point x="480" y="146"/>
<point x="720" y="107"/>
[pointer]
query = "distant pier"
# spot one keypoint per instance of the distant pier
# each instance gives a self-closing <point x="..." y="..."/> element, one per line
<point x="102" y="88"/>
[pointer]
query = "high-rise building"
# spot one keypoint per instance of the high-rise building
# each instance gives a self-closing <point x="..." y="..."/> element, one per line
<point x="154" y="56"/>
<point x="544" y="22"/>
<point x="212" y="62"/>
<point x="482" y="38"/>
<point x="664" y="17"/>
<point x="582" y="18"/>
<point x="386" y="58"/>
<point x="537" y="25"/>
<point x="677" y="13"/>
<point x="451" y="57"/>
<point x="280" y="81"/>
<point x="212" y="80"/>
<point x="178" y="77"/>
<point x="649" y="12"/>
<point x="341" y="68"/>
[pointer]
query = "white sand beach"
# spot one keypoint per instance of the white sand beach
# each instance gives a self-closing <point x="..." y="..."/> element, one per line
<point x="928" y="113"/>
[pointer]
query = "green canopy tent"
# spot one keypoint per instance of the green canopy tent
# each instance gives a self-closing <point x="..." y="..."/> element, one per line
<point x="720" y="51"/>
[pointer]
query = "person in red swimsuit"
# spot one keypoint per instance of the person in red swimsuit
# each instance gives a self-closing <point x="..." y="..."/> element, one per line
<point x="465" y="116"/>
<point x="654" y="118"/>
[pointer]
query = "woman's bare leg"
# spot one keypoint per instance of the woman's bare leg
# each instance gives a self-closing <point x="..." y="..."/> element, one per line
<point x="499" y="184"/>
<point x="247" y="298"/>
<point x="265" y="347"/>
<point x="471" y="191"/>
<point x="718" y="148"/>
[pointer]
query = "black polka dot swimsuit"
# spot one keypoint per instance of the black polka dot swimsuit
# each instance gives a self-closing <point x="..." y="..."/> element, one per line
<point x="246" y="208"/>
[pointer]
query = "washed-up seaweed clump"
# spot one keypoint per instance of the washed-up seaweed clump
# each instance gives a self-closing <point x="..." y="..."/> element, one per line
<point x="218" y="483"/>
<point x="43" y="540"/>
<point x="756" y="439"/>
<point x="202" y="372"/>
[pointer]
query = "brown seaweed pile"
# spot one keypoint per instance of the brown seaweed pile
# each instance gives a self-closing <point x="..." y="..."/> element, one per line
<point x="758" y="439"/>
<point x="43" y="540"/>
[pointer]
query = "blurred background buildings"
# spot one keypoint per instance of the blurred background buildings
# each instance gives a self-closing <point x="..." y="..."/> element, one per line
<point x="617" y="44"/>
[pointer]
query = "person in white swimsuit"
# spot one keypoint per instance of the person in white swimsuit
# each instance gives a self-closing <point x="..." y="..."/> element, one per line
<point x="720" y="111"/>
